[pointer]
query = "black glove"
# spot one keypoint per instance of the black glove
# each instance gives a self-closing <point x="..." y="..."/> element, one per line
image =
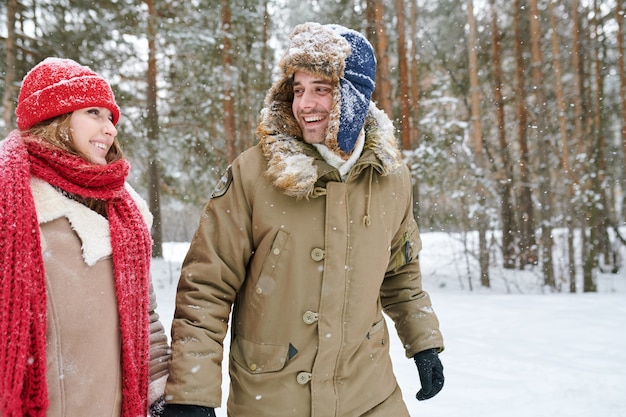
<point x="157" y="407"/>
<point x="431" y="373"/>
<point x="183" y="410"/>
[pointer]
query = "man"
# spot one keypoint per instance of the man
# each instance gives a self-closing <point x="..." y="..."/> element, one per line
<point x="309" y="237"/>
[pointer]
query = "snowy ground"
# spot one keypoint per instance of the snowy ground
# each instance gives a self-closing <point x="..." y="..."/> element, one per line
<point x="515" y="350"/>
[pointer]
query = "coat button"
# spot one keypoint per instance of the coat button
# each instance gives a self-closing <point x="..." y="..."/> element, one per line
<point x="303" y="377"/>
<point x="276" y="251"/>
<point x="317" y="254"/>
<point x="310" y="317"/>
<point x="252" y="367"/>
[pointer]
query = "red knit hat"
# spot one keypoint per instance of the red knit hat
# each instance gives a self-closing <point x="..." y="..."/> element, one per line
<point x="57" y="86"/>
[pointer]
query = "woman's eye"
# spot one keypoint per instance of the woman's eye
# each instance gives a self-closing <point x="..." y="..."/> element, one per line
<point x="93" y="111"/>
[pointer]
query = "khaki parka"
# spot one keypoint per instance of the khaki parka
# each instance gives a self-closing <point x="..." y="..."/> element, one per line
<point x="308" y="263"/>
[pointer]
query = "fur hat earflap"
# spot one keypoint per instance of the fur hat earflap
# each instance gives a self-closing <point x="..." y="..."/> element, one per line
<point x="57" y="86"/>
<point x="339" y="54"/>
<point x="357" y="86"/>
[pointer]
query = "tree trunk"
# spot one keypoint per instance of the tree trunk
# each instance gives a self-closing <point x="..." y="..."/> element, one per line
<point x="477" y="142"/>
<point x="228" y="101"/>
<point x="571" y="256"/>
<point x="597" y="201"/>
<point x="152" y="121"/>
<point x="266" y="81"/>
<point x="527" y="242"/>
<point x="403" y="82"/>
<point x="595" y="168"/>
<point x="415" y="102"/>
<point x="569" y="176"/>
<point x="605" y="208"/>
<point x="382" y="94"/>
<point x="505" y="176"/>
<point x="621" y="56"/>
<point x="560" y="101"/>
<point x="10" y="76"/>
<point x="579" y="93"/>
<point x="580" y="117"/>
<point x="589" y="262"/>
<point x="541" y="137"/>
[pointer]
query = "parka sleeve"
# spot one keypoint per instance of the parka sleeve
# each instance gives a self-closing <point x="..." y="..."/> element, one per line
<point x="211" y="275"/>
<point x="402" y="295"/>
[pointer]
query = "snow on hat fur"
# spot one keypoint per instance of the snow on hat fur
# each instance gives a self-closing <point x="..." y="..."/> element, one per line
<point x="346" y="58"/>
<point x="57" y="86"/>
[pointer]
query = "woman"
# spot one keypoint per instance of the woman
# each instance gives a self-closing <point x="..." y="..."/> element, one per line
<point x="80" y="335"/>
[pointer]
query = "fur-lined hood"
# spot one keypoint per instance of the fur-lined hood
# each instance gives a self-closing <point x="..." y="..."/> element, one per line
<point x="291" y="163"/>
<point x="346" y="59"/>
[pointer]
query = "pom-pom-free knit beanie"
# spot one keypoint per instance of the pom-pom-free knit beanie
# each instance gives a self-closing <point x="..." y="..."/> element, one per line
<point x="57" y="86"/>
<point x="346" y="58"/>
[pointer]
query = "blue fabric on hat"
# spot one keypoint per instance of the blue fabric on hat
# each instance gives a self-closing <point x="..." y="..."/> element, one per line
<point x="357" y="86"/>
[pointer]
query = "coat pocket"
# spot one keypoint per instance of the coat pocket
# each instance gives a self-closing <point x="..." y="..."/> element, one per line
<point x="375" y="332"/>
<point x="258" y="358"/>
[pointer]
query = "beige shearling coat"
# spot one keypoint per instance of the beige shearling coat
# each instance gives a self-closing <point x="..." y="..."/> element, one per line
<point x="308" y="263"/>
<point x="84" y="375"/>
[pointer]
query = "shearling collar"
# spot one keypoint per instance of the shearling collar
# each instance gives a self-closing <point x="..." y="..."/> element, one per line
<point x="291" y="163"/>
<point x="91" y="227"/>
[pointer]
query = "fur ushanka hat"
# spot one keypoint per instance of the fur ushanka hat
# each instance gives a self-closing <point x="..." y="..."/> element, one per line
<point x="57" y="86"/>
<point x="346" y="58"/>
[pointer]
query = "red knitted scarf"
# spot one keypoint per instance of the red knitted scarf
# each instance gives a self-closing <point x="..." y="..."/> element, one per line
<point x="23" y="389"/>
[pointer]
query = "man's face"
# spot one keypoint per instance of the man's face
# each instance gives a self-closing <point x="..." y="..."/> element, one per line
<point x="312" y="102"/>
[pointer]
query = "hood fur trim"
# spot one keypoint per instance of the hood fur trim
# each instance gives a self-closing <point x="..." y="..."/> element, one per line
<point x="291" y="165"/>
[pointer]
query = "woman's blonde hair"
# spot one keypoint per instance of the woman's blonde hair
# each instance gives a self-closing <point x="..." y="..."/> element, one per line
<point x="57" y="132"/>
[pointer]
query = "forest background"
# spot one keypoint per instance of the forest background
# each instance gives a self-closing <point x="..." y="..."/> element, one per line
<point x="511" y="113"/>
